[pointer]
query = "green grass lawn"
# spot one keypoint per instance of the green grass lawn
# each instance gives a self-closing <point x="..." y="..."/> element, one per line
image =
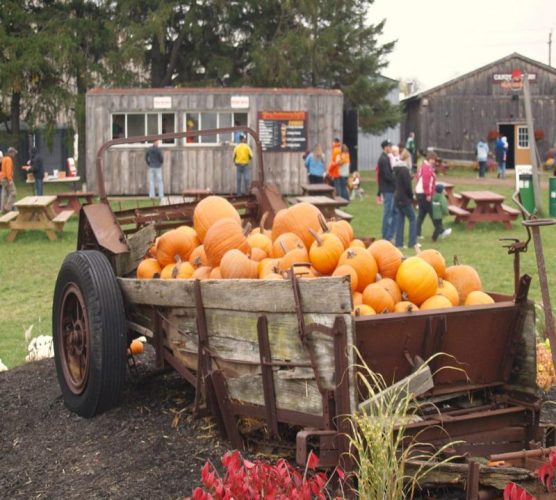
<point x="29" y="266"/>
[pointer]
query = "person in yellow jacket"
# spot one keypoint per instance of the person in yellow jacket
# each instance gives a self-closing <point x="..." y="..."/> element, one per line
<point x="242" y="158"/>
<point x="7" y="179"/>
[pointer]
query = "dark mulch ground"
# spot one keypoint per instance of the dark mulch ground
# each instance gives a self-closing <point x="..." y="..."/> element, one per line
<point x="138" y="450"/>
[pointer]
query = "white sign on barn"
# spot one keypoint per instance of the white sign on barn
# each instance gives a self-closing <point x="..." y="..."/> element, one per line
<point x="162" y="102"/>
<point x="239" y="101"/>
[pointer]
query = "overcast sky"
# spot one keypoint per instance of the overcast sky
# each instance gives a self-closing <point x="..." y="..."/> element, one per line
<point x="441" y="39"/>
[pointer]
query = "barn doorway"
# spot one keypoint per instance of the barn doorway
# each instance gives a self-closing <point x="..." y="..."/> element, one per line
<point x="508" y="130"/>
<point x="350" y="136"/>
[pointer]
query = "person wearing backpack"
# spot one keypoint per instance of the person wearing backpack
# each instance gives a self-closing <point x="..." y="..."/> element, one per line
<point x="154" y="160"/>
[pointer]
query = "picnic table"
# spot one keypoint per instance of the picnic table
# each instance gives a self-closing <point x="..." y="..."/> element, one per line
<point x="328" y="206"/>
<point x="318" y="190"/>
<point x="483" y="206"/>
<point x="453" y="198"/>
<point x="71" y="200"/>
<point x="35" y="212"/>
<point x="51" y="179"/>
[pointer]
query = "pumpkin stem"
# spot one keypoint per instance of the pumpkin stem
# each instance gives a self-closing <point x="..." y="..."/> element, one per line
<point x="284" y="247"/>
<point x="351" y="253"/>
<point x="357" y="311"/>
<point x="197" y="262"/>
<point x="175" y="270"/>
<point x="247" y="229"/>
<point x="263" y="220"/>
<point x="323" y="224"/>
<point x="316" y="236"/>
<point x="456" y="260"/>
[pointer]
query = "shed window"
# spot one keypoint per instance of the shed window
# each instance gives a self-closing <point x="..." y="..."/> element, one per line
<point x="522" y="138"/>
<point x="135" y="124"/>
<point x="213" y="119"/>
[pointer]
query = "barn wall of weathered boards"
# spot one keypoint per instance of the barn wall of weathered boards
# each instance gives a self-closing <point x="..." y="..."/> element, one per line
<point x="289" y="121"/>
<point x="452" y="117"/>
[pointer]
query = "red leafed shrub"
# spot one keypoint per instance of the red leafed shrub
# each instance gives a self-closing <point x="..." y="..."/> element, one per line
<point x="539" y="134"/>
<point x="261" y="480"/>
<point x="546" y="475"/>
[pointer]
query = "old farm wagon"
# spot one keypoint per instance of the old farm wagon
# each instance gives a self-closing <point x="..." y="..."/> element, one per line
<point x="281" y="352"/>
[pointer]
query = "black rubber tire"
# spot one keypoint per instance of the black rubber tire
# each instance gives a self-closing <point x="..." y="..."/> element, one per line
<point x="86" y="283"/>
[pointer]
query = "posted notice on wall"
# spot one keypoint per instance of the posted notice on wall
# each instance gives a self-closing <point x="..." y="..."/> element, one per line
<point x="283" y="131"/>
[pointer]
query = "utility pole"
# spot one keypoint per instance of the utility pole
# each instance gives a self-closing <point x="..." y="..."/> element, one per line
<point x="532" y="144"/>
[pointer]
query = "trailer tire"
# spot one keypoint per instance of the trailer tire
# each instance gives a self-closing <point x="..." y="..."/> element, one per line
<point x="89" y="330"/>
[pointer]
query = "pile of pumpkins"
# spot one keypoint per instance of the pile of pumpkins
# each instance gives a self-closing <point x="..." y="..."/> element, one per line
<point x="382" y="280"/>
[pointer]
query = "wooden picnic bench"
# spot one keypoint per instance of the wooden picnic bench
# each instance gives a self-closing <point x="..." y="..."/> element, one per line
<point x="35" y="212"/>
<point x="460" y="213"/>
<point x="71" y="200"/>
<point x="325" y="204"/>
<point x="484" y="206"/>
<point x="318" y="190"/>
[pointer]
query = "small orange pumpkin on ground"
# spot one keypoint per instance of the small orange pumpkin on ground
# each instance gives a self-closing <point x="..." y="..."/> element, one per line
<point x="378" y="298"/>
<point x="436" y="302"/>
<point x="148" y="269"/>
<point x="136" y="347"/>
<point x="476" y="298"/>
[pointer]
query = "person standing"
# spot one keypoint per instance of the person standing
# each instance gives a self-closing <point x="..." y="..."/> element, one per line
<point x="439" y="210"/>
<point x="424" y="189"/>
<point x="411" y="147"/>
<point x="333" y="170"/>
<point x="7" y="176"/>
<point x="344" y="172"/>
<point x="500" y="154"/>
<point x="314" y="162"/>
<point x="154" y="160"/>
<point x="482" y="156"/>
<point x="36" y="167"/>
<point x="386" y="187"/>
<point x="242" y="158"/>
<point x="403" y="200"/>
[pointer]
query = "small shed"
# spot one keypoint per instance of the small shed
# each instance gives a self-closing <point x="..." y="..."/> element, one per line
<point x="452" y="117"/>
<point x="288" y="121"/>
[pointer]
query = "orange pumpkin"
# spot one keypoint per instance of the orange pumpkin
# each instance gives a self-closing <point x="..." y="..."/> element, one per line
<point x="417" y="279"/>
<point x="215" y="273"/>
<point x="342" y="229"/>
<point x="378" y="298"/>
<point x="286" y="242"/>
<point x="325" y="252"/>
<point x="448" y="290"/>
<point x="405" y="306"/>
<point x="224" y="235"/>
<point x="363" y="310"/>
<point x="477" y="298"/>
<point x="297" y="219"/>
<point x="388" y="258"/>
<point x="198" y="257"/>
<point x="136" y="347"/>
<point x="465" y="279"/>
<point x="294" y="256"/>
<point x="273" y="276"/>
<point x="209" y="210"/>
<point x="167" y="272"/>
<point x="259" y="240"/>
<point x="436" y="302"/>
<point x="257" y="254"/>
<point x="151" y="252"/>
<point x="189" y="230"/>
<point x="202" y="273"/>
<point x="148" y="269"/>
<point x="435" y="259"/>
<point x="357" y="243"/>
<point x="357" y="298"/>
<point x="392" y="287"/>
<point x="303" y="272"/>
<point x="267" y="266"/>
<point x="174" y="245"/>
<point x="236" y="265"/>
<point x="363" y="263"/>
<point x="345" y="270"/>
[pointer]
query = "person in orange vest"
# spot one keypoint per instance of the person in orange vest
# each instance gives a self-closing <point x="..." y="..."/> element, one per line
<point x="333" y="169"/>
<point x="7" y="179"/>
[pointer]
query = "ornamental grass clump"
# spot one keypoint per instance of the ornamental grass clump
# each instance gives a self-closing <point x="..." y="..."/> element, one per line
<point x="379" y="444"/>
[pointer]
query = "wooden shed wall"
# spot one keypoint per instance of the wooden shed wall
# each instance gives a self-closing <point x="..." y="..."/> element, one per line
<point x="199" y="166"/>
<point x="458" y="114"/>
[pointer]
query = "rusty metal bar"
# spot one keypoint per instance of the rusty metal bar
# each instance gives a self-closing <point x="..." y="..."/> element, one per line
<point x="203" y="361"/>
<point x="523" y="454"/>
<point x="177" y="365"/>
<point x="287" y="416"/>
<point x="228" y="415"/>
<point x="171" y="135"/>
<point x="472" y="481"/>
<point x="158" y="338"/>
<point x="267" y="375"/>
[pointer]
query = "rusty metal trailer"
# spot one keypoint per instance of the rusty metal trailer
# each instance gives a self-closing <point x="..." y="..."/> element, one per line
<point x="283" y="353"/>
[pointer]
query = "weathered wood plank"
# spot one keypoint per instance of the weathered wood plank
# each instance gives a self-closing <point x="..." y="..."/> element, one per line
<point x="324" y="294"/>
<point x="294" y="395"/>
<point x="138" y="243"/>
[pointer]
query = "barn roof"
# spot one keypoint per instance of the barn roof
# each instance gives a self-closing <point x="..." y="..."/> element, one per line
<point x="515" y="55"/>
<point x="211" y="90"/>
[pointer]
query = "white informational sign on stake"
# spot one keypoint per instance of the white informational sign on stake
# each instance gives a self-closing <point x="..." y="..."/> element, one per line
<point x="519" y="170"/>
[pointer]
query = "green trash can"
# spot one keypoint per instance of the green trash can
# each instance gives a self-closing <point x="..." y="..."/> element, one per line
<point x="526" y="192"/>
<point x="552" y="196"/>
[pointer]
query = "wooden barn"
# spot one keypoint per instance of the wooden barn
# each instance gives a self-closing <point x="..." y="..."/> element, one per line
<point x="288" y="121"/>
<point x="452" y="117"/>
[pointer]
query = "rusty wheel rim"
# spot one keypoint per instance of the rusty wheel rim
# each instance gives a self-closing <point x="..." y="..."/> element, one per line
<point x="74" y="339"/>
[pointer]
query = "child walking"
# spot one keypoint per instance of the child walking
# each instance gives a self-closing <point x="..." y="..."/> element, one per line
<point x="439" y="210"/>
<point x="356" y="190"/>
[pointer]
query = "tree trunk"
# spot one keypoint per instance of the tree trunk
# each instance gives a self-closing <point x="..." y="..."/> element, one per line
<point x="15" y="109"/>
<point x="80" y="119"/>
<point x="158" y="66"/>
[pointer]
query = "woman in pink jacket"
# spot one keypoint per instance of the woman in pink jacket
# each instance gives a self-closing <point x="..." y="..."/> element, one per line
<point x="424" y="189"/>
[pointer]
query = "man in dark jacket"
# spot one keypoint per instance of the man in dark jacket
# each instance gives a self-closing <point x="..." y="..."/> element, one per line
<point x="403" y="201"/>
<point x="36" y="167"/>
<point x="386" y="185"/>
<point x="154" y="160"/>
